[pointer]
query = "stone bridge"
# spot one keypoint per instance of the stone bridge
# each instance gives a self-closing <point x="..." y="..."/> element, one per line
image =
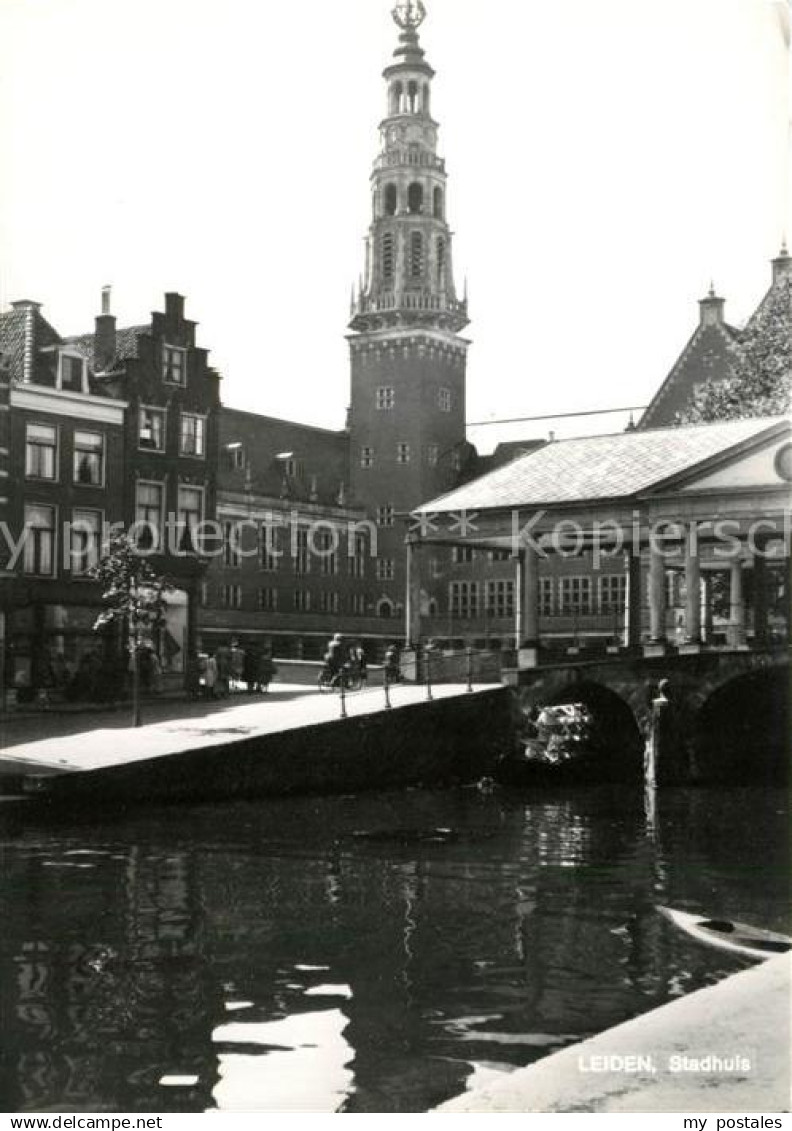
<point x="730" y="708"/>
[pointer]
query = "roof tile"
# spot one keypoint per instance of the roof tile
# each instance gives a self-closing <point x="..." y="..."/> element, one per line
<point x="599" y="467"/>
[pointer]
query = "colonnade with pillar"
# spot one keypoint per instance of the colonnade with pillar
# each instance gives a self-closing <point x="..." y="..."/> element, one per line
<point x="646" y="566"/>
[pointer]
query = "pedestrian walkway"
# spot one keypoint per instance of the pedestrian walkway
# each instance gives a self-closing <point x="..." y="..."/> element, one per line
<point x="722" y="1049"/>
<point x="105" y="741"/>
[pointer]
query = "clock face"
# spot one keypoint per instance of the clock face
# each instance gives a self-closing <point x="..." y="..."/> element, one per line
<point x="783" y="462"/>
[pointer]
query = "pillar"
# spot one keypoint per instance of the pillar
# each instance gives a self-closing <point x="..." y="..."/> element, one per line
<point x="692" y="586"/>
<point x="529" y="568"/>
<point x="736" y="605"/>
<point x="760" y="596"/>
<point x="527" y="607"/>
<point x="412" y="604"/>
<point x="706" y="607"/>
<point x="657" y="595"/>
<point x="633" y="603"/>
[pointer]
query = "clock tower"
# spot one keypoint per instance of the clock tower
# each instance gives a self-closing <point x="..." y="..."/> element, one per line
<point x="408" y="360"/>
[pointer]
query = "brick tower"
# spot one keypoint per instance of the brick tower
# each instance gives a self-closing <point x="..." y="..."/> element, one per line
<point x="408" y="361"/>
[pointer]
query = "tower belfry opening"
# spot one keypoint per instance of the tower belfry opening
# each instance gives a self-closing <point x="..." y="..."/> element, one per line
<point x="408" y="222"/>
<point x="408" y="360"/>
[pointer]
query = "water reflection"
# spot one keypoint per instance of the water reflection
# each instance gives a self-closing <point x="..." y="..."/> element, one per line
<point x="341" y="955"/>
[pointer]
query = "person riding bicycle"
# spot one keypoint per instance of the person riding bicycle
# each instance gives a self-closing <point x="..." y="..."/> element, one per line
<point x="333" y="658"/>
<point x="357" y="662"/>
<point x="392" y="665"/>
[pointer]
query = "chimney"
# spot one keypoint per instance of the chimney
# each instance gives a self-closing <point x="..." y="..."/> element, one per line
<point x="711" y="309"/>
<point x="174" y="307"/>
<point x="782" y="264"/>
<point x="104" y="334"/>
<point x="29" y="348"/>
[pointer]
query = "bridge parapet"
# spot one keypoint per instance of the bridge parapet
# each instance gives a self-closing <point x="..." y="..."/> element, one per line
<point x="693" y="680"/>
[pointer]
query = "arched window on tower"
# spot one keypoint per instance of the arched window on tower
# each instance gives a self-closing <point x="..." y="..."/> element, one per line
<point x="412" y="98"/>
<point x="415" y="197"/>
<point x="416" y="255"/>
<point x="441" y="260"/>
<point x="391" y="199"/>
<point x="438" y="203"/>
<point x="387" y="255"/>
<point x="395" y="98"/>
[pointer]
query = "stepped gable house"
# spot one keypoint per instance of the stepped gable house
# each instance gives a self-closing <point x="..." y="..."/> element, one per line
<point x="118" y="426"/>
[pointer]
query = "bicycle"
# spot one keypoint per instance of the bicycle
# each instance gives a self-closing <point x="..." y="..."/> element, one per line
<point x="330" y="680"/>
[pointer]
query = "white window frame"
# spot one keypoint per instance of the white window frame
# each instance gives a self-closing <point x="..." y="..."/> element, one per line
<point x="71" y="355"/>
<point x="578" y="586"/>
<point x="385" y="399"/>
<point x="82" y="574"/>
<point x="499" y="597"/>
<point x="301" y="556"/>
<point x="328" y="553"/>
<point x="386" y="569"/>
<point x="198" y="417"/>
<point x="201" y="491"/>
<point x="367" y="456"/>
<point x="403" y="453"/>
<point x="302" y="600"/>
<point x="547" y="597"/>
<point x="463" y="555"/>
<point x="103" y="458"/>
<point x="168" y="348"/>
<point x="231" y="595"/>
<point x="53" y="572"/>
<point x="463" y="599"/>
<point x="161" y="484"/>
<point x="162" y="411"/>
<point x="329" y="601"/>
<point x="231" y="555"/>
<point x="605" y="586"/>
<point x="269" y="551"/>
<point x="444" y="399"/>
<point x="55" y="477"/>
<point x="386" y="515"/>
<point x="357" y="559"/>
<point x="268" y="604"/>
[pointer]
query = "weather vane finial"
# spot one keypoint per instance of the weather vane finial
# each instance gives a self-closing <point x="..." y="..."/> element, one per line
<point x="409" y="14"/>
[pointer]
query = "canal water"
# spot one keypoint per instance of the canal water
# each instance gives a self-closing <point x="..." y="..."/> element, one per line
<point x="356" y="954"/>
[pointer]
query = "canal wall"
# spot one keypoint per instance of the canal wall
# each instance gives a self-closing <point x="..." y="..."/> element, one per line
<point x="456" y="738"/>
<point x="722" y="1049"/>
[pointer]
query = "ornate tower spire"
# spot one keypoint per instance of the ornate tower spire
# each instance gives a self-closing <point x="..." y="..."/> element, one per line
<point x="407" y="356"/>
<point x="409" y="277"/>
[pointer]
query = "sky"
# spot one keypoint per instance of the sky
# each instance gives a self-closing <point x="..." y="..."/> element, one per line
<point x="607" y="160"/>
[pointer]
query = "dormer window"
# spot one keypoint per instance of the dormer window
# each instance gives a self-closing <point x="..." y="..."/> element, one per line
<point x="71" y="373"/>
<point x="174" y="365"/>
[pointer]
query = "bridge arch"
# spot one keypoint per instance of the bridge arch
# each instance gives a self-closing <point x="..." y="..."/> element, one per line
<point x="615" y="721"/>
<point x="741" y="728"/>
